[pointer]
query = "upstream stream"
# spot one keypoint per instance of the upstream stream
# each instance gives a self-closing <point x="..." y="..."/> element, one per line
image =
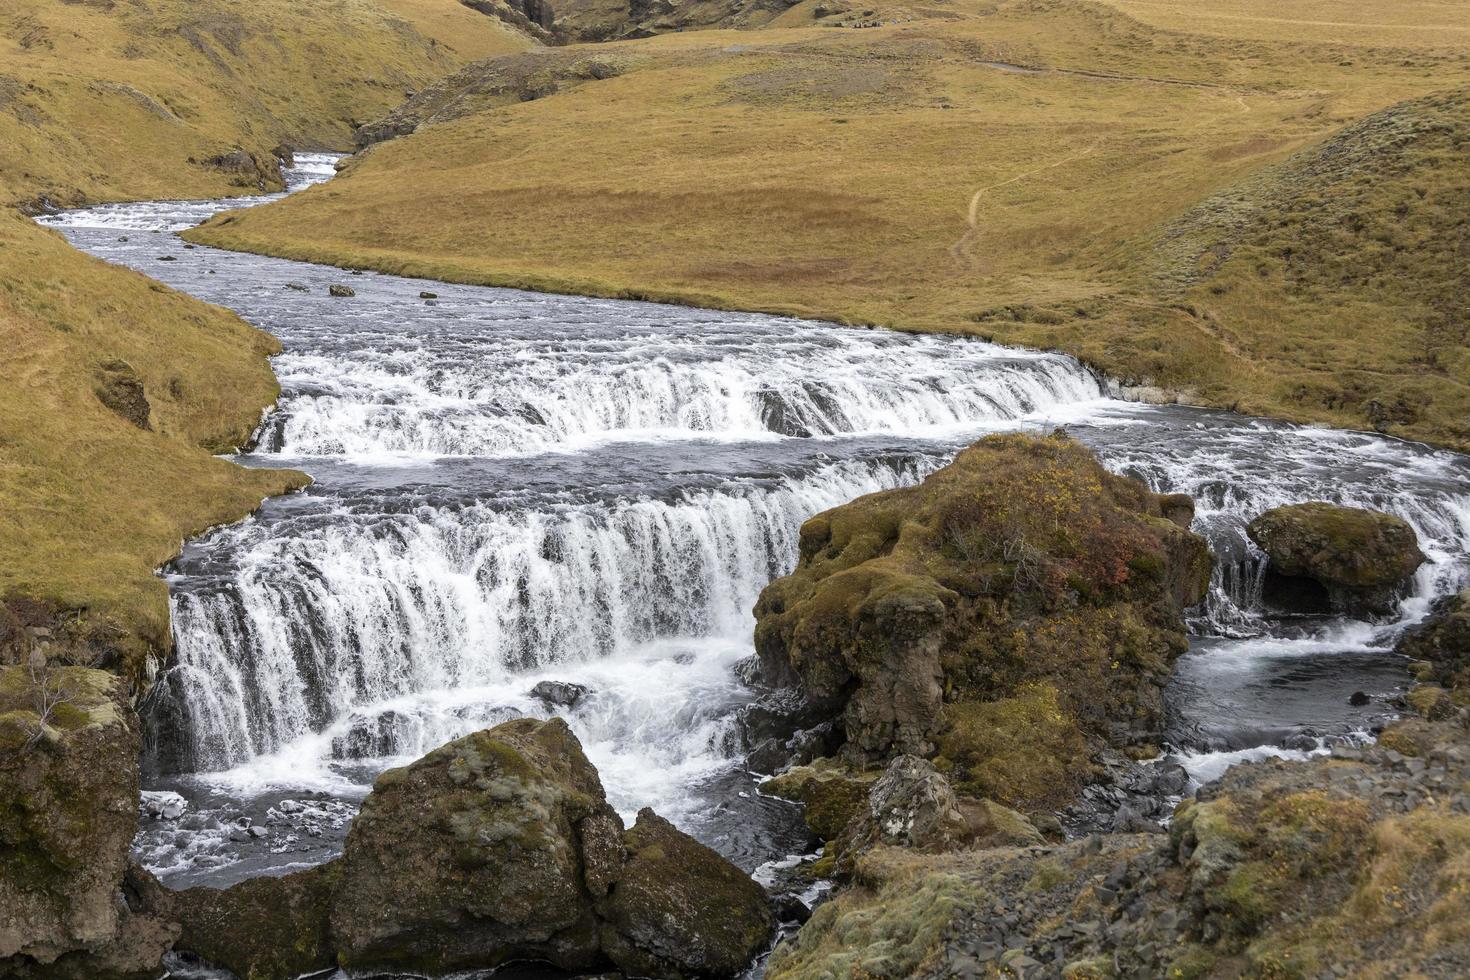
<point x="514" y="487"/>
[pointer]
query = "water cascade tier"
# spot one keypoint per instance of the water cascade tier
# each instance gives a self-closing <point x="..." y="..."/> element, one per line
<point x="513" y="488"/>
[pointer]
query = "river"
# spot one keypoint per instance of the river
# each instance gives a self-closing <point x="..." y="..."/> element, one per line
<point x="513" y="487"/>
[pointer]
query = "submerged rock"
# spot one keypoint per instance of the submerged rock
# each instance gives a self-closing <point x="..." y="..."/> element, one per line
<point x="1010" y="615"/>
<point x="1360" y="561"/>
<point x="498" y="846"/>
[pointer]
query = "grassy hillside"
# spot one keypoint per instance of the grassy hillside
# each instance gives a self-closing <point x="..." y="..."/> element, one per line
<point x="93" y="502"/>
<point x="105" y="99"/>
<point x="1035" y="171"/>
<point x="117" y="391"/>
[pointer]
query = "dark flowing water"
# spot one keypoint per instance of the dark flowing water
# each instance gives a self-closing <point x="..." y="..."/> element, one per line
<point x="513" y="487"/>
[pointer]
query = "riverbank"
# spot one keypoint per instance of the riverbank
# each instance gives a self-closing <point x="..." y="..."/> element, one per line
<point x="118" y="390"/>
<point x="1262" y="225"/>
<point x="121" y="392"/>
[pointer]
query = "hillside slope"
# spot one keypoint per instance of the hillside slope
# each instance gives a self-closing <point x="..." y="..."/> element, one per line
<point x="1034" y="171"/>
<point x="117" y="391"/>
<point x="102" y="100"/>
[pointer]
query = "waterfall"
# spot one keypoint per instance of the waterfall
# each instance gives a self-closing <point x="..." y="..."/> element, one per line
<point x="353" y="609"/>
<point x="515" y="487"/>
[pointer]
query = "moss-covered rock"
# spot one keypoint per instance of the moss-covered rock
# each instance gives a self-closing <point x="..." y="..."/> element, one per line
<point x="831" y="793"/>
<point x="68" y="811"/>
<point x="679" y="909"/>
<point x="472" y="856"/>
<point x="498" y="846"/>
<point x="1362" y="560"/>
<point x="226" y="927"/>
<point x="1443" y="642"/>
<point x="1022" y="583"/>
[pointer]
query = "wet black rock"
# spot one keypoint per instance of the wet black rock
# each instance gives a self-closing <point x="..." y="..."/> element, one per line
<point x="559" y="694"/>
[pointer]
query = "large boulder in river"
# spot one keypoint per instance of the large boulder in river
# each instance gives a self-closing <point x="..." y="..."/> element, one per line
<point x="1358" y="560"/>
<point x="477" y="854"/>
<point x="1011" y="614"/>
<point x="498" y="846"/>
<point x="679" y="909"/>
<point x="68" y="811"/>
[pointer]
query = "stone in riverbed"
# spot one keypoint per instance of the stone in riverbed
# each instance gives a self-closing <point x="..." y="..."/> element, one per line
<point x="560" y="694"/>
<point x="473" y="856"/>
<point x="1359" y="561"/>
<point x="679" y="909"/>
<point x="498" y="846"/>
<point x="336" y="289"/>
<point x="1014" y="613"/>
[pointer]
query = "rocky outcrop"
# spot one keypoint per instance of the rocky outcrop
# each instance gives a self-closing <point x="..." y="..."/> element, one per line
<point x="1324" y="557"/>
<point x="606" y="20"/>
<point x="120" y="389"/>
<point x="68" y="810"/>
<point x="831" y="793"/>
<point x="1442" y="642"/>
<point x="499" y="846"/>
<point x="505" y="80"/>
<point x="533" y="17"/>
<point x="1012" y="614"/>
<point x="1343" y="866"/>
<point x="258" y="171"/>
<point x="914" y="806"/>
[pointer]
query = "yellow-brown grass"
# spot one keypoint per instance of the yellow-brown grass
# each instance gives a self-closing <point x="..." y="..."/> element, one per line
<point x="91" y="504"/>
<point x="902" y="176"/>
<point x="107" y="100"/>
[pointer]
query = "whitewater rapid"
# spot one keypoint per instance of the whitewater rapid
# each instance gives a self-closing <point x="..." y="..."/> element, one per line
<point x="514" y="487"/>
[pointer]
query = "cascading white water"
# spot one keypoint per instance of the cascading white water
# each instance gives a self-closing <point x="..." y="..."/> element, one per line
<point x="355" y="608"/>
<point x="515" y="487"/>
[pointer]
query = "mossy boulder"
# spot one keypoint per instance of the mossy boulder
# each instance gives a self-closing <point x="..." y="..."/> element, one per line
<point x="1023" y="570"/>
<point x="1360" y="560"/>
<point x="226" y="926"/>
<point x="830" y="791"/>
<point x="679" y="909"/>
<point x="499" y="846"/>
<point x="473" y="855"/>
<point x="1443" y="642"/>
<point x="68" y="811"/>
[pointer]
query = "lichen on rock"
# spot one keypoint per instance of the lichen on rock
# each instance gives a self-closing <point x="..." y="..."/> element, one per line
<point x="68" y="810"/>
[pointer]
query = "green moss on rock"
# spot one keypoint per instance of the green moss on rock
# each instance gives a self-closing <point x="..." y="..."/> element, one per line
<point x="831" y="792"/>
<point x="916" y="614"/>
